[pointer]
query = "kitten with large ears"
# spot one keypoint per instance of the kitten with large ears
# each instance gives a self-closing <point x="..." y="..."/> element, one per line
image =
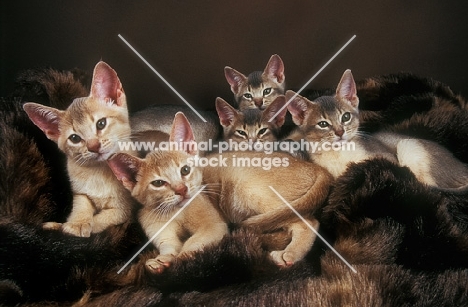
<point x="163" y="182"/>
<point x="88" y="132"/>
<point x="259" y="88"/>
<point x="251" y="124"/>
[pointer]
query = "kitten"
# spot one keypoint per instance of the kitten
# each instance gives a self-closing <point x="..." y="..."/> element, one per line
<point x="335" y="120"/>
<point x="258" y="89"/>
<point x="241" y="188"/>
<point x="251" y="124"/>
<point x="332" y="122"/>
<point x="163" y="182"/>
<point x="88" y="132"/>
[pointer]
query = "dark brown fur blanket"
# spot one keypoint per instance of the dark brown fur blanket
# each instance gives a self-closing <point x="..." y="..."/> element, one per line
<point x="408" y="242"/>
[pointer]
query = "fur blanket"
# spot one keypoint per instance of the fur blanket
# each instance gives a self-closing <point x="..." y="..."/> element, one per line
<point x="407" y="242"/>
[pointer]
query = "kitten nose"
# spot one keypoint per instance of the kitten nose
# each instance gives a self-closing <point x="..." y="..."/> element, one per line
<point x="339" y="132"/>
<point x="180" y="190"/>
<point x="258" y="102"/>
<point x="93" y="145"/>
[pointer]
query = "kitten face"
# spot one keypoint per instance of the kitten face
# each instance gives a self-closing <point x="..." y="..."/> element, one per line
<point x="328" y="118"/>
<point x="165" y="180"/>
<point x="259" y="89"/>
<point x="251" y="124"/>
<point x="89" y="130"/>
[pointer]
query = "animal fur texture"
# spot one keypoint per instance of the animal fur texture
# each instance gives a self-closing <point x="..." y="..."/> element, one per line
<point x="408" y="242"/>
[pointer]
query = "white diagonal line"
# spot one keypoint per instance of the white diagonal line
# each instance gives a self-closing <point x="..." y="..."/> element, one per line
<point x="161" y="77"/>
<point x="313" y="77"/>
<point x="313" y="229"/>
<point x="162" y="228"/>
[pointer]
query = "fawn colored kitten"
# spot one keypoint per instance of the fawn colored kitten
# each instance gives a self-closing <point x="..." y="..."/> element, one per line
<point x="241" y="188"/>
<point x="251" y="124"/>
<point x="259" y="88"/>
<point x="88" y="132"/>
<point x="163" y="182"/>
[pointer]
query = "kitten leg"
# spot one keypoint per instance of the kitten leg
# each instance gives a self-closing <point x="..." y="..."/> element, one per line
<point x="109" y="217"/>
<point x="80" y="221"/>
<point x="302" y="238"/>
<point x="169" y="246"/>
<point x="209" y="234"/>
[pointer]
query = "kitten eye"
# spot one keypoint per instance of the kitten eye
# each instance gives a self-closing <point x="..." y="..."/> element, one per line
<point x="74" y="138"/>
<point x="158" y="183"/>
<point x="242" y="132"/>
<point x="323" y="124"/>
<point x="101" y="124"/>
<point x="262" y="131"/>
<point x="266" y="91"/>
<point x="346" y="117"/>
<point x="248" y="95"/>
<point x="185" y="170"/>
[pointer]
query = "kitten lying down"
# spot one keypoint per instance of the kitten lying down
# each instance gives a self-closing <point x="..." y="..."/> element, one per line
<point x="163" y="182"/>
<point x="335" y="120"/>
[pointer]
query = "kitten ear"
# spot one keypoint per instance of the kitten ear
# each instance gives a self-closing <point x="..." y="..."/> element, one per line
<point x="125" y="167"/>
<point x="181" y="131"/>
<point x="226" y="112"/>
<point x="297" y="106"/>
<point x="275" y="106"/>
<point x="46" y="118"/>
<point x="234" y="78"/>
<point x="106" y="85"/>
<point x="275" y="68"/>
<point x="346" y="89"/>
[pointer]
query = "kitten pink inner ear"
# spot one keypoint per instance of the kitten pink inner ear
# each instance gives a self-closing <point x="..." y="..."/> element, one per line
<point x="273" y="108"/>
<point x="125" y="167"/>
<point x="225" y="112"/>
<point x="182" y="132"/>
<point x="275" y="68"/>
<point x="346" y="89"/>
<point x="106" y="84"/>
<point x="234" y="78"/>
<point x="297" y="107"/>
<point x="46" y="118"/>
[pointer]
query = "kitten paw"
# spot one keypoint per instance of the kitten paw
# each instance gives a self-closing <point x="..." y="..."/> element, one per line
<point x="52" y="226"/>
<point x="159" y="264"/>
<point x="77" y="229"/>
<point x="283" y="259"/>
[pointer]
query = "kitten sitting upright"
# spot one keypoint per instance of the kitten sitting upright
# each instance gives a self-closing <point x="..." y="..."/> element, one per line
<point x="259" y="88"/>
<point x="251" y="124"/>
<point x="163" y="182"/>
<point x="88" y="132"/>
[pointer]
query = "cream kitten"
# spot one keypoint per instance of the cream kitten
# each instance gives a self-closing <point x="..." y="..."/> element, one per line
<point x="163" y="182"/>
<point x="241" y="188"/>
<point x="88" y="132"/>
<point x="251" y="124"/>
<point x="259" y="88"/>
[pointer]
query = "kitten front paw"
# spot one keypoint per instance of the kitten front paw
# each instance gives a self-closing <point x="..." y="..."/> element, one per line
<point x="52" y="226"/>
<point x="159" y="264"/>
<point x="77" y="229"/>
<point x="283" y="258"/>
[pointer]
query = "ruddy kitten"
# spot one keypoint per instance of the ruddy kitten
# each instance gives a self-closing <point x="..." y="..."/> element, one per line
<point x="163" y="182"/>
<point x="241" y="187"/>
<point x="88" y="132"/>
<point x="259" y="88"/>
<point x="335" y="120"/>
<point x="251" y="124"/>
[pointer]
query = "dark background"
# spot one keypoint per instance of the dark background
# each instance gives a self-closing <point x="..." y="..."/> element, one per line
<point x="190" y="42"/>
